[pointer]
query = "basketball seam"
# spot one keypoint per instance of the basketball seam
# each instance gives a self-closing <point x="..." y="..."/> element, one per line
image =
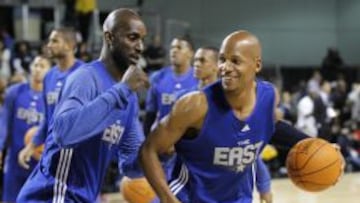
<point x="323" y="168"/>
<point x="313" y="154"/>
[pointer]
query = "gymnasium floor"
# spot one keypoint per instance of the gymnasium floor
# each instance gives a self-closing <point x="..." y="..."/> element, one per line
<point x="346" y="191"/>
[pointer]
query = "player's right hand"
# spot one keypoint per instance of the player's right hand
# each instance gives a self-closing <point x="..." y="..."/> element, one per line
<point x="25" y="155"/>
<point x="266" y="197"/>
<point x="135" y="78"/>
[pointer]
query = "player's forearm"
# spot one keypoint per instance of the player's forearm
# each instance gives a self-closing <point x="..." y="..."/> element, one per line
<point x="263" y="179"/>
<point x="154" y="172"/>
<point x="40" y="136"/>
<point x="287" y="135"/>
<point x="80" y="122"/>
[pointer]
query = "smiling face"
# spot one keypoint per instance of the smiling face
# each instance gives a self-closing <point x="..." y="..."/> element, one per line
<point x="239" y="61"/>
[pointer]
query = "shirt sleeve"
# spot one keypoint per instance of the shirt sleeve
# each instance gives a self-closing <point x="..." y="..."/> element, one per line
<point x="128" y="150"/>
<point x="151" y="100"/>
<point x="40" y="136"/>
<point x="7" y="114"/>
<point x="82" y="112"/>
<point x="263" y="178"/>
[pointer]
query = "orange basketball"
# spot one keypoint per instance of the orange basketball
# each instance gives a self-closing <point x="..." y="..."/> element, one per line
<point x="314" y="164"/>
<point x="28" y="137"/>
<point x="137" y="191"/>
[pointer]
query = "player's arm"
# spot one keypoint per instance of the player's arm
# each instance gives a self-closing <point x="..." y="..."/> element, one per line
<point x="10" y="96"/>
<point x="82" y="114"/>
<point x="263" y="181"/>
<point x="188" y="112"/>
<point x="129" y="148"/>
<point x="151" y="109"/>
<point x="285" y="134"/>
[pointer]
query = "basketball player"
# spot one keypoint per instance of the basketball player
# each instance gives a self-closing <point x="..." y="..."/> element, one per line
<point x="232" y="119"/>
<point x="61" y="45"/>
<point x="95" y="118"/>
<point x="169" y="80"/>
<point x="206" y="71"/>
<point x="23" y="109"/>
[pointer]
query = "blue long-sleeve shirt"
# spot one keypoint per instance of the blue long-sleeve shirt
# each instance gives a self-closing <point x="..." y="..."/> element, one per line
<point x="95" y="119"/>
<point x="53" y="83"/>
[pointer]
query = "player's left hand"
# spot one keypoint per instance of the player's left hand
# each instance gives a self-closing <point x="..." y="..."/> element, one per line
<point x="266" y="197"/>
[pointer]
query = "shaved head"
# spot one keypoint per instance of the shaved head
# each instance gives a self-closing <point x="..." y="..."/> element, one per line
<point x="239" y="60"/>
<point x="119" y="19"/>
<point x="245" y="41"/>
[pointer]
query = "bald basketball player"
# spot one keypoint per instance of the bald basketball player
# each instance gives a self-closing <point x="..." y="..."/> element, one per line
<point x="231" y="120"/>
<point x="95" y="119"/>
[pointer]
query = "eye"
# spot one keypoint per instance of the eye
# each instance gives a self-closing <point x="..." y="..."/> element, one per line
<point x="235" y="61"/>
<point x="133" y="37"/>
<point x="221" y="59"/>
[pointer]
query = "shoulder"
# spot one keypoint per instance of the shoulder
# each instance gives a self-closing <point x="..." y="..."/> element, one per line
<point x="160" y="74"/>
<point x="83" y="76"/>
<point x="16" y="88"/>
<point x="192" y="106"/>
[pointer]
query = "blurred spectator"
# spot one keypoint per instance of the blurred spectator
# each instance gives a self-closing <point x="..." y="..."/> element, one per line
<point x="306" y="120"/>
<point x="331" y="64"/>
<point x="313" y="84"/>
<point x="5" y="56"/>
<point x="349" y="145"/>
<point x="18" y="77"/>
<point x="84" y="10"/>
<point x="22" y="57"/>
<point x="154" y="55"/>
<point x="7" y="39"/>
<point x="83" y="53"/>
<point x="353" y="101"/>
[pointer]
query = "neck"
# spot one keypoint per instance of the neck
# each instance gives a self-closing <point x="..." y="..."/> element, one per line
<point x="205" y="81"/>
<point x="242" y="99"/>
<point x="66" y="62"/>
<point x="110" y="65"/>
<point x="35" y="85"/>
<point x="181" y="69"/>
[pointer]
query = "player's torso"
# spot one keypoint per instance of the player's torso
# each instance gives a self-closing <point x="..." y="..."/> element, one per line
<point x="91" y="155"/>
<point x="220" y="160"/>
<point x="54" y="81"/>
<point x="28" y="112"/>
<point x="168" y="85"/>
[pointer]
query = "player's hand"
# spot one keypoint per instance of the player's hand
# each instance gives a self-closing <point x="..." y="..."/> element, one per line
<point x="25" y="155"/>
<point x="135" y="78"/>
<point x="266" y="197"/>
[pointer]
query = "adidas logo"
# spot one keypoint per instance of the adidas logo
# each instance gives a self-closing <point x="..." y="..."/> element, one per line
<point x="245" y="128"/>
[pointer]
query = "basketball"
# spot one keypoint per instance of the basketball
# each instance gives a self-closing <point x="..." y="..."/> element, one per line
<point x="137" y="191"/>
<point x="314" y="164"/>
<point x="28" y="137"/>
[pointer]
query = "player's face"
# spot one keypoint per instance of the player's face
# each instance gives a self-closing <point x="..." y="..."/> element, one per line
<point x="180" y="52"/>
<point x="237" y="65"/>
<point x="128" y="44"/>
<point x="57" y="46"/>
<point x="39" y="67"/>
<point x="205" y="64"/>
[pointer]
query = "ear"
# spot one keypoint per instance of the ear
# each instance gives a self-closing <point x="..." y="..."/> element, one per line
<point x="108" y="37"/>
<point x="258" y="64"/>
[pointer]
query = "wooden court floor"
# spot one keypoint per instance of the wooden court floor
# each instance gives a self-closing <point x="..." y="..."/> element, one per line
<point x="346" y="191"/>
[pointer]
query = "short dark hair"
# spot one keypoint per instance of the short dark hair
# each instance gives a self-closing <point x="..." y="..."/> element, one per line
<point x="212" y="49"/>
<point x="68" y="33"/>
<point x="187" y="39"/>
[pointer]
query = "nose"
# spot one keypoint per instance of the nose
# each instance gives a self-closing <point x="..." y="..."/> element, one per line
<point x="225" y="67"/>
<point x="140" y="46"/>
